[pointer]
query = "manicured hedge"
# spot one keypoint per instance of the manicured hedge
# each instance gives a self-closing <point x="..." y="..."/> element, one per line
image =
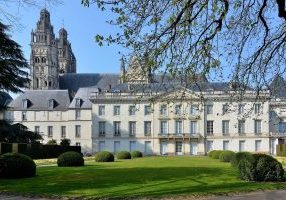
<point x="238" y="157"/>
<point x="6" y="148"/>
<point x="136" y="154"/>
<point x="16" y="165"/>
<point x="260" y="167"/>
<point x="104" y="156"/>
<point x="70" y="159"/>
<point x="216" y="154"/>
<point x="123" y="155"/>
<point x="281" y="150"/>
<point x="210" y="154"/>
<point x="226" y="156"/>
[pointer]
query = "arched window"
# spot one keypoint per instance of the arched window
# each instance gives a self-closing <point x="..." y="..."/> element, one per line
<point x="37" y="83"/>
<point x="43" y="60"/>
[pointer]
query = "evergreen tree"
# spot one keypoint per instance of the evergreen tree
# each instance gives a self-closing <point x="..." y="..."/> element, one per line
<point x="13" y="65"/>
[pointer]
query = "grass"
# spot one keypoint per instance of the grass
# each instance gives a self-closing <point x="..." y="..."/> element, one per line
<point x="53" y="161"/>
<point x="144" y="177"/>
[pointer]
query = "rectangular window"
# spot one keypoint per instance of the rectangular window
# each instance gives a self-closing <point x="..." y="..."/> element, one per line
<point x="194" y="127"/>
<point x="101" y="146"/>
<point x="77" y="102"/>
<point x="225" y="108"/>
<point x="257" y="145"/>
<point x="163" y="110"/>
<point x="101" y="110"/>
<point x="132" y="146"/>
<point x="225" y="127"/>
<point x="37" y="129"/>
<point x="178" y="109"/>
<point x="24" y="103"/>
<point x="132" y="110"/>
<point x="148" y="149"/>
<point x="63" y="132"/>
<point x="132" y="128"/>
<point x="101" y="127"/>
<point x="50" y="131"/>
<point x="282" y="127"/>
<point x="241" y="145"/>
<point x="116" y="110"/>
<point x="147" y="110"/>
<point x="147" y="128"/>
<point x="257" y="108"/>
<point x="209" y="146"/>
<point x="116" y="126"/>
<point x="77" y="144"/>
<point x="241" y="127"/>
<point x="240" y="109"/>
<point x="77" y="114"/>
<point x="225" y="145"/>
<point x="257" y="127"/>
<point x="209" y="109"/>
<point x="178" y="127"/>
<point x="210" y="130"/>
<point x="163" y="127"/>
<point x="116" y="146"/>
<point x="77" y="131"/>
<point x="194" y="110"/>
<point x="24" y="115"/>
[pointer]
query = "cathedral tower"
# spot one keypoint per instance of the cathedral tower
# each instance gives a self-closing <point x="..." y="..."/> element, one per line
<point x="44" y="55"/>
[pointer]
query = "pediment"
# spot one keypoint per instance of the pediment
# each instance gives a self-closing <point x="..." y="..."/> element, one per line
<point x="182" y="94"/>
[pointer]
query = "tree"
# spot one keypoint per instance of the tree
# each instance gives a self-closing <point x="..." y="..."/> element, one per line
<point x="52" y="142"/>
<point x="65" y="142"/>
<point x="13" y="76"/>
<point x="244" y="39"/>
<point x="17" y="133"/>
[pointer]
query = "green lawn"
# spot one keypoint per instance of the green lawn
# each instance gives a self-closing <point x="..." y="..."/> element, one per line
<point x="146" y="177"/>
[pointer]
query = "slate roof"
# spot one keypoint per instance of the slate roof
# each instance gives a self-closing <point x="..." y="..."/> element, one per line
<point x="83" y="94"/>
<point x="39" y="100"/>
<point x="278" y="87"/>
<point x="5" y="99"/>
<point x="74" y="81"/>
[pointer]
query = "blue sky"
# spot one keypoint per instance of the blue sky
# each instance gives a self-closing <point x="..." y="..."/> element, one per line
<point x="82" y="25"/>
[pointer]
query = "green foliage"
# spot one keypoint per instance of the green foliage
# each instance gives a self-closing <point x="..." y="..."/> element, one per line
<point x="16" y="165"/>
<point x="52" y="142"/>
<point x="281" y="150"/>
<point x="238" y="157"/>
<point x="226" y="156"/>
<point x="65" y="142"/>
<point x="104" y="156"/>
<point x="210" y="154"/>
<point x="13" y="65"/>
<point x="123" y="155"/>
<point x="260" y="167"/>
<point x="136" y="154"/>
<point x="17" y="133"/>
<point x="70" y="159"/>
<point x="216" y="154"/>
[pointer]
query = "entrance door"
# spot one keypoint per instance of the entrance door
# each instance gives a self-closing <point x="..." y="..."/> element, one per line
<point x="194" y="148"/>
<point x="101" y="146"/>
<point x="179" y="148"/>
<point x="163" y="148"/>
<point x="116" y="146"/>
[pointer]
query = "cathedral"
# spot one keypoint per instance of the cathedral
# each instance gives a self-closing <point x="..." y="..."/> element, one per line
<point x="138" y="110"/>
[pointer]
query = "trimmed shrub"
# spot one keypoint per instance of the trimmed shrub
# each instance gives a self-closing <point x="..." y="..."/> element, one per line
<point x="123" y="155"/>
<point x="226" y="156"/>
<point x="216" y="154"/>
<point x="136" y="154"/>
<point x="260" y="167"/>
<point x="70" y="159"/>
<point x="6" y="148"/>
<point x="16" y="165"/>
<point x="65" y="142"/>
<point x="238" y="157"/>
<point x="104" y="156"/>
<point x="210" y="154"/>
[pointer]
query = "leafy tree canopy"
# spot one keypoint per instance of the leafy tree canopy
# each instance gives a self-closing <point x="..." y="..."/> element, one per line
<point x="243" y="38"/>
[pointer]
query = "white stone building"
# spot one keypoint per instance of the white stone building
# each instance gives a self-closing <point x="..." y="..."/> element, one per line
<point x="135" y="110"/>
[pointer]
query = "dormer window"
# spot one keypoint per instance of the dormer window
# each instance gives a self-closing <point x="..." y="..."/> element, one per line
<point x="51" y="103"/>
<point x="25" y="103"/>
<point x="77" y="102"/>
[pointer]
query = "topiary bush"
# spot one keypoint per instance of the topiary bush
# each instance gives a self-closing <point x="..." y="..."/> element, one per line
<point x="260" y="167"/>
<point x="16" y="165"/>
<point x="238" y="157"/>
<point x="210" y="154"/>
<point x="123" y="155"/>
<point x="226" y="156"/>
<point x="216" y="154"/>
<point x="104" y="156"/>
<point x="70" y="159"/>
<point x="136" y="154"/>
